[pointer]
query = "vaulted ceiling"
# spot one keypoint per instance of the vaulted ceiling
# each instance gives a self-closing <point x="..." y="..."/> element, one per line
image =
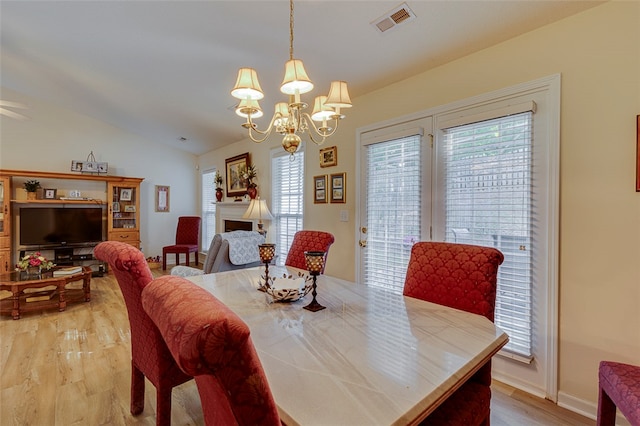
<point x="164" y="69"/>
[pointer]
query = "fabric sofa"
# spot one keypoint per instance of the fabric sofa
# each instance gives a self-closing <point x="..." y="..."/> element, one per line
<point x="228" y="250"/>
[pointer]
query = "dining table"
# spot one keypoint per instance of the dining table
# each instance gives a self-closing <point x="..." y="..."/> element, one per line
<point x="372" y="357"/>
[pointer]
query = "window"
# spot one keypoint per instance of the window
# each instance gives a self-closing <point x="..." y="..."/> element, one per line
<point x="208" y="209"/>
<point x="287" y="183"/>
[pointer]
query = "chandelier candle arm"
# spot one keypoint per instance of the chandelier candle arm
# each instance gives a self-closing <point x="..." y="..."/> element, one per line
<point x="289" y="119"/>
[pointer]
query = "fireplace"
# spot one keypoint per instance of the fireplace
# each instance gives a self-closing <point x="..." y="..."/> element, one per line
<point x="229" y="217"/>
<point x="237" y="225"/>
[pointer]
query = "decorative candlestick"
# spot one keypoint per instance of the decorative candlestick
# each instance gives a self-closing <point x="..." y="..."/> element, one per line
<point x="315" y="263"/>
<point x="267" y="253"/>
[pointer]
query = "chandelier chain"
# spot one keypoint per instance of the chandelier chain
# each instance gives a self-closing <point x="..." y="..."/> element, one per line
<point x="290" y="29"/>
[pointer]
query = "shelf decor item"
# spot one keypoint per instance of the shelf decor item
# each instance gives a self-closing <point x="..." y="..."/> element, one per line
<point x="90" y="165"/>
<point x="31" y="186"/>
<point x="217" y="179"/>
<point x="33" y="263"/>
<point x="267" y="253"/>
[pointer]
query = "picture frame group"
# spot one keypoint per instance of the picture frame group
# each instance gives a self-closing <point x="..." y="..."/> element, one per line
<point x="331" y="188"/>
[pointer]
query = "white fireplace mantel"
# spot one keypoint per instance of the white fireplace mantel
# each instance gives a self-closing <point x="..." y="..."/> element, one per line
<point x="232" y="211"/>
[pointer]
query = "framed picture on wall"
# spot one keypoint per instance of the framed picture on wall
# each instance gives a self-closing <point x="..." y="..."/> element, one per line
<point x="235" y="168"/>
<point x="320" y="189"/>
<point x="338" y="188"/>
<point x="162" y="198"/>
<point x="329" y="156"/>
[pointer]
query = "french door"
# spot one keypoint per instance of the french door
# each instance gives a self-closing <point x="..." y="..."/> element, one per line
<point x="395" y="200"/>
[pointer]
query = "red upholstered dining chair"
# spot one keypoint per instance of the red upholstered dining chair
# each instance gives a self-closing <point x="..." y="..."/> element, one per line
<point x="187" y="240"/>
<point x="618" y="386"/>
<point x="150" y="356"/>
<point x="307" y="240"/>
<point x="463" y="277"/>
<point x="210" y="342"/>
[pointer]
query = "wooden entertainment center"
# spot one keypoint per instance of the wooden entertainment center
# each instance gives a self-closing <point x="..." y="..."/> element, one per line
<point x="118" y="195"/>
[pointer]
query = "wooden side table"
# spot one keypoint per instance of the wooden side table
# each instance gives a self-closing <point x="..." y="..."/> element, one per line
<point x="17" y="282"/>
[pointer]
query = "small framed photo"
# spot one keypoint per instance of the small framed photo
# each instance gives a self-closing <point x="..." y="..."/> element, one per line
<point x="329" y="156"/>
<point x="338" y="188"/>
<point x="125" y="194"/>
<point x="130" y="209"/>
<point x="115" y="207"/>
<point x="49" y="194"/>
<point x="320" y="189"/>
<point x="162" y="198"/>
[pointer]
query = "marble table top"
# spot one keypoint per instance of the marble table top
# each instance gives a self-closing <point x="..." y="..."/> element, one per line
<point x="373" y="357"/>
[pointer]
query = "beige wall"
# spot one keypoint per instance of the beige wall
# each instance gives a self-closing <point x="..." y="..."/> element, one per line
<point x="597" y="54"/>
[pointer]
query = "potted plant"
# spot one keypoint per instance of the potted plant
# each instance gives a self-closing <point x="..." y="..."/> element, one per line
<point x="217" y="179"/>
<point x="34" y="263"/>
<point x="31" y="186"/>
<point x="249" y="175"/>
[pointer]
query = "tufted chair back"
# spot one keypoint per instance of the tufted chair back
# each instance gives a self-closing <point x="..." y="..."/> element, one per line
<point x="463" y="277"/>
<point x="307" y="240"/>
<point x="210" y="342"/>
<point x="150" y="356"/>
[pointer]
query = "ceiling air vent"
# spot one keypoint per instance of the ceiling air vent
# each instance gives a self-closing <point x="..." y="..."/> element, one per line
<point x="399" y="15"/>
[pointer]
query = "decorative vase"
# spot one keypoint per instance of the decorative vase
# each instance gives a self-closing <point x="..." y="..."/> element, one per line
<point x="252" y="191"/>
<point x="33" y="270"/>
<point x="31" y="195"/>
<point x="218" y="194"/>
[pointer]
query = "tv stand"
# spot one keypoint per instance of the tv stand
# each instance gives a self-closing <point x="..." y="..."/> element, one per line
<point x="119" y="195"/>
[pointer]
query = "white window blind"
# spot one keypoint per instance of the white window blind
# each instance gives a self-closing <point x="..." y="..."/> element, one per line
<point x="208" y="209"/>
<point x="393" y="209"/>
<point x="488" y="201"/>
<point x="287" y="183"/>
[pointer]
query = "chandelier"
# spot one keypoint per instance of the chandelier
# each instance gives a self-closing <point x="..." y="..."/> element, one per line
<point x="289" y="118"/>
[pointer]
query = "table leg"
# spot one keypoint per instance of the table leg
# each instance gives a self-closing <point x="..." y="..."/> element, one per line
<point x="86" y="286"/>
<point x="15" y="312"/>
<point x="62" y="301"/>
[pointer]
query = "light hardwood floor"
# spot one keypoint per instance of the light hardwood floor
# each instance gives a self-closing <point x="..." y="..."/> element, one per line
<point x="73" y="368"/>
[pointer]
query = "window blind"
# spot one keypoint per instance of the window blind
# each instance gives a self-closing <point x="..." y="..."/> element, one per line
<point x="287" y="182"/>
<point x="393" y="200"/>
<point x="208" y="209"/>
<point x="488" y="201"/>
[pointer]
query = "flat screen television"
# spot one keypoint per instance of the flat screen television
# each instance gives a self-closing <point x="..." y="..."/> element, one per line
<point x="51" y="226"/>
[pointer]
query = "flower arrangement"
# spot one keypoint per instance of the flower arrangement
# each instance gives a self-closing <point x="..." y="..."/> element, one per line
<point x="31" y="185"/>
<point x="34" y="259"/>
<point x="249" y="175"/>
<point x="217" y="179"/>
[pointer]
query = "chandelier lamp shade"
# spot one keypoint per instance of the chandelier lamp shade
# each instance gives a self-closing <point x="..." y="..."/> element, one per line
<point x="289" y="118"/>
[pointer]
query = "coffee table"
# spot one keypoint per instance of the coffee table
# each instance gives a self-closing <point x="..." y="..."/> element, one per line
<point x="17" y="282"/>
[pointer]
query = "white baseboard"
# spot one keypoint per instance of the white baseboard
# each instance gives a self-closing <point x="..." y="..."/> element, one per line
<point x="585" y="408"/>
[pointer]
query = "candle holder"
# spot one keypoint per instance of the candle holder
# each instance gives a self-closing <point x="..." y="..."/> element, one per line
<point x="267" y="253"/>
<point x="315" y="263"/>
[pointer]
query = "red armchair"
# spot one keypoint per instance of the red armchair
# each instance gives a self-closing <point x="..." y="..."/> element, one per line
<point x="462" y="277"/>
<point x="213" y="344"/>
<point x="306" y="240"/>
<point x="187" y="240"/>
<point x="619" y="386"/>
<point x="150" y="356"/>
